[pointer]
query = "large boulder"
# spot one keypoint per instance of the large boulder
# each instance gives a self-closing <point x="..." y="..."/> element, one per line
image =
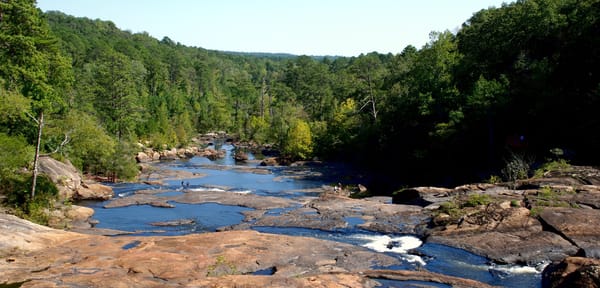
<point x="169" y="154"/>
<point x="579" y="226"/>
<point x="240" y="156"/>
<point x="69" y="182"/>
<point x="94" y="191"/>
<point x="143" y="157"/>
<point x="505" y="235"/>
<point x="66" y="177"/>
<point x="572" y="272"/>
<point x="18" y="235"/>
<point x="270" y="161"/>
<point x="71" y="216"/>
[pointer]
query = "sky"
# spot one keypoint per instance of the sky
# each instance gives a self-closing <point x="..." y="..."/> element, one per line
<point x="301" y="27"/>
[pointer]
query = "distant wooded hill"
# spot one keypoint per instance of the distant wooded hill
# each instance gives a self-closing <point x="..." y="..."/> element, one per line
<point x="521" y="79"/>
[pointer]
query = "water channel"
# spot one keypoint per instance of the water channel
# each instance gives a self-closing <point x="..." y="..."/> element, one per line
<point x="227" y="176"/>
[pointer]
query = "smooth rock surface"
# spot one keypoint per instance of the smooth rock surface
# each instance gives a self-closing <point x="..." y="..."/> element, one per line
<point x="505" y="236"/>
<point x="580" y="226"/>
<point x="44" y="257"/>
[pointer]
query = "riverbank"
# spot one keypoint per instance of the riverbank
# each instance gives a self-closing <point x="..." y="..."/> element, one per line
<point x="37" y="256"/>
<point x="536" y="225"/>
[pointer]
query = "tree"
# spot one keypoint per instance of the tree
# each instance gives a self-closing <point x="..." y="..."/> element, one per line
<point x="310" y="81"/>
<point x="32" y="63"/>
<point x="370" y="72"/>
<point x="14" y="154"/>
<point x="298" y="144"/>
<point x="89" y="144"/>
<point x="117" y="93"/>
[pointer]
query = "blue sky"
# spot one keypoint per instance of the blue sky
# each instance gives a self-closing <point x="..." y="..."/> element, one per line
<point x="310" y="27"/>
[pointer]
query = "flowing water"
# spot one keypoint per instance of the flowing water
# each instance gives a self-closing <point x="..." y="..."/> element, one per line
<point x="227" y="176"/>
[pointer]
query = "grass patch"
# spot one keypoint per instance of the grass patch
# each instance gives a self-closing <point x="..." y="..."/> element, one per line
<point x="450" y="208"/>
<point x="536" y="211"/>
<point x="549" y="197"/>
<point x="494" y="179"/>
<point x="556" y="165"/>
<point x="475" y="200"/>
<point x="221" y="267"/>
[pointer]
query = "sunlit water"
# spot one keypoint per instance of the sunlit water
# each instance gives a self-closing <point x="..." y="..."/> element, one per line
<point x="225" y="176"/>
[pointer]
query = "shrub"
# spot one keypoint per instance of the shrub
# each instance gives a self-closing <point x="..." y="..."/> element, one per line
<point x="298" y="144"/>
<point x="221" y="267"/>
<point x="475" y="200"/>
<point x="494" y="179"/>
<point x="517" y="167"/>
<point x="19" y="198"/>
<point x="450" y="208"/>
<point x="535" y="211"/>
<point x="556" y="165"/>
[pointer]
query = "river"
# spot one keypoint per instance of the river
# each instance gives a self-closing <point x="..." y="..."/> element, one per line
<point x="226" y="176"/>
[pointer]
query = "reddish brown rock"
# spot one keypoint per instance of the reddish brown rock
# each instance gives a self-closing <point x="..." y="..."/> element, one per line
<point x="271" y="161"/>
<point x="580" y="226"/>
<point x="94" y="191"/>
<point x="505" y="236"/>
<point x="333" y="280"/>
<point x="142" y="157"/>
<point x="64" y="175"/>
<point x="572" y="272"/>
<point x="43" y="257"/>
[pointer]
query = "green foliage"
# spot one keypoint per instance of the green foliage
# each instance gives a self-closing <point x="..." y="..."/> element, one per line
<point x="121" y="164"/>
<point x="535" y="211"/>
<point x="16" y="189"/>
<point x="258" y="129"/>
<point x="221" y="267"/>
<point x="475" y="200"/>
<point x="556" y="165"/>
<point x="517" y="167"/>
<point x="494" y="179"/>
<point x="451" y="208"/>
<point x="461" y="206"/>
<point x="455" y="100"/>
<point x="117" y="97"/>
<point x="298" y="144"/>
<point x="89" y="144"/>
<point x="549" y="197"/>
<point x="14" y="154"/>
<point x="13" y="109"/>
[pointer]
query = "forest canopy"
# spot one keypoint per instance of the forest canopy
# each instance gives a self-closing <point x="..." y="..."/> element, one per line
<point x="518" y="79"/>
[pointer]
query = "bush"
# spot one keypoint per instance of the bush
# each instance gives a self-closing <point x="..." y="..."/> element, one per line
<point x="475" y="200"/>
<point x="298" y="144"/>
<point x="494" y="179"/>
<point x="452" y="209"/>
<point x="19" y="197"/>
<point x="14" y="154"/>
<point x="517" y="167"/>
<point x="556" y="165"/>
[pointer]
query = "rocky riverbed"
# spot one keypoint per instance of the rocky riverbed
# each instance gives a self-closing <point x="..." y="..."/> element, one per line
<point x="37" y="256"/>
<point x="549" y="223"/>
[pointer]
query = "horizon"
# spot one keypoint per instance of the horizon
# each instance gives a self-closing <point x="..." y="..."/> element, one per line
<point x="308" y="27"/>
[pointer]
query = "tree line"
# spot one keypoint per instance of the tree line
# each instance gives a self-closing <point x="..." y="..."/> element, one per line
<point x="522" y="78"/>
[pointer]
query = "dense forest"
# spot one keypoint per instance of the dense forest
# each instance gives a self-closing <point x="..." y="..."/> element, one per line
<point x="519" y="82"/>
